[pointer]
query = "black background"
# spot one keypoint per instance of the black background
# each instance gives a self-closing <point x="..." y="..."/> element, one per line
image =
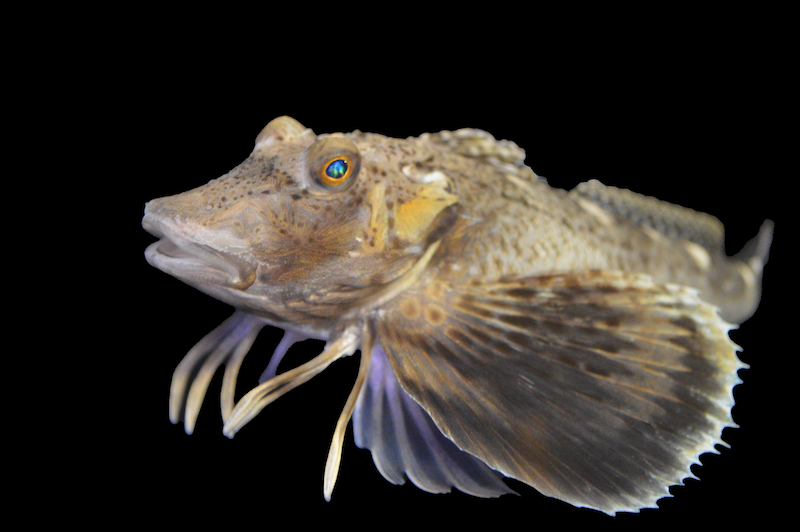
<point x="692" y="122"/>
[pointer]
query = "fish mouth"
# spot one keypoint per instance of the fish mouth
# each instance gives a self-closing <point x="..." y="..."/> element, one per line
<point x="187" y="253"/>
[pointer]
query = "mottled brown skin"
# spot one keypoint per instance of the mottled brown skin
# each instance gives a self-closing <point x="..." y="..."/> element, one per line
<point x="522" y="227"/>
<point x="296" y="239"/>
<point x="556" y="336"/>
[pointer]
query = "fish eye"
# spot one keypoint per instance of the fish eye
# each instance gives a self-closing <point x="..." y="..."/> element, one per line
<point x="333" y="163"/>
<point x="336" y="171"/>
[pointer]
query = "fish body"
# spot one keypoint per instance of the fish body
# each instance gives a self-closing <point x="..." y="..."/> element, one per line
<point x="576" y="341"/>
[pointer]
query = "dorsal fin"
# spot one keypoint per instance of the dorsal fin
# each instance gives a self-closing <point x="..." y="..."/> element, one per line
<point x="478" y="144"/>
<point x="672" y="221"/>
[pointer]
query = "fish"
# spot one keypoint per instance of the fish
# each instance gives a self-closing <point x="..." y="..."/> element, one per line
<point x="575" y="341"/>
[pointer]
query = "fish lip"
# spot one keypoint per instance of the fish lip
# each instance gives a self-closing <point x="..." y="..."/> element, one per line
<point x="179" y="253"/>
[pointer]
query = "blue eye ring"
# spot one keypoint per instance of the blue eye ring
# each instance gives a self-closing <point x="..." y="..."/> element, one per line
<point x="333" y="164"/>
<point x="336" y="171"/>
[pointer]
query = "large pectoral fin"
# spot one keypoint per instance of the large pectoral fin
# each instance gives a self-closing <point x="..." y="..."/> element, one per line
<point x="405" y="442"/>
<point x="598" y="388"/>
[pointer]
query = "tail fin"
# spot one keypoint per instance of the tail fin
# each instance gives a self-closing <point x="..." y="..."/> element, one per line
<point x="750" y="260"/>
<point x="756" y="252"/>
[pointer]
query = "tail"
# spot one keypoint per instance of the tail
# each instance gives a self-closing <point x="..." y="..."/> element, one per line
<point x="752" y="259"/>
<point x="756" y="252"/>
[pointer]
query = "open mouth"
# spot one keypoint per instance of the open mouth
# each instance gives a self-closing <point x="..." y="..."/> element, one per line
<point x="180" y="255"/>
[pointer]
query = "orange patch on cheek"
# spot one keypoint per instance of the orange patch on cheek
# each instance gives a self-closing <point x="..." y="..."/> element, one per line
<point x="414" y="217"/>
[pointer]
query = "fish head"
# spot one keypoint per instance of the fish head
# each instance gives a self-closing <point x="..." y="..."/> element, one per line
<point x="308" y="225"/>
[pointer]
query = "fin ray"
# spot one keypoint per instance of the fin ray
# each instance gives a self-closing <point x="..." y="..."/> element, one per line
<point x="405" y="442"/>
<point x="598" y="388"/>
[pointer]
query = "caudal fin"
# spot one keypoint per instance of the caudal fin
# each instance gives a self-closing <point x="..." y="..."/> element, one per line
<point x="756" y="252"/>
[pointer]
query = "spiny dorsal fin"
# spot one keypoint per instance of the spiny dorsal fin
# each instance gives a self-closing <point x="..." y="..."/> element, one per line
<point x="668" y="219"/>
<point x="478" y="144"/>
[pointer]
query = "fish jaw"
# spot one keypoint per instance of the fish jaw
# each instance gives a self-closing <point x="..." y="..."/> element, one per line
<point x="194" y="254"/>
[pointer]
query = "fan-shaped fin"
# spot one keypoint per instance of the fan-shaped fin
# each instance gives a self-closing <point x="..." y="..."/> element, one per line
<point x="405" y="442"/>
<point x="598" y="388"/>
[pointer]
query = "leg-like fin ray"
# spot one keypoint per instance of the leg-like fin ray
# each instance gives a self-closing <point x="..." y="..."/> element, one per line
<point x="262" y="395"/>
<point x="289" y="339"/>
<point x="228" y="343"/>
<point x="335" y="453"/>
<point x="232" y="366"/>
